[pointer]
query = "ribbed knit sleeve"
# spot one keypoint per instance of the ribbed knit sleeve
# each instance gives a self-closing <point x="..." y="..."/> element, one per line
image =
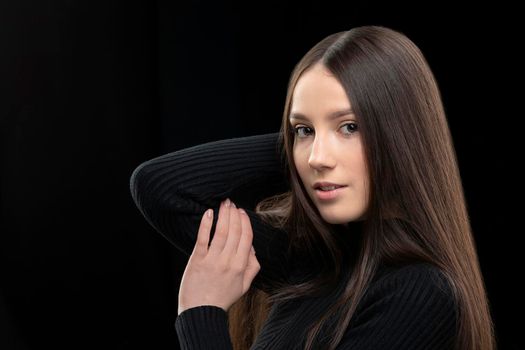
<point x="174" y="190"/>
<point x="411" y="309"/>
<point x="406" y="308"/>
<point x="203" y="327"/>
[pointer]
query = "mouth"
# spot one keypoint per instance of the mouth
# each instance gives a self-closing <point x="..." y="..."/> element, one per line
<point x="332" y="193"/>
<point x="326" y="186"/>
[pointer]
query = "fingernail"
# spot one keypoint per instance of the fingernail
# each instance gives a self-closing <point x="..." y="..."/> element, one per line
<point x="253" y="250"/>
<point x="227" y="202"/>
<point x="209" y="212"/>
<point x="242" y="211"/>
<point x="233" y="205"/>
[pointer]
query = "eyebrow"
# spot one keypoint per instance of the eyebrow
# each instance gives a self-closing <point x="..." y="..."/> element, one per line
<point x="331" y="116"/>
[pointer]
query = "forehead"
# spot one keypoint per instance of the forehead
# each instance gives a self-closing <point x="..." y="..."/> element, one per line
<point x="318" y="92"/>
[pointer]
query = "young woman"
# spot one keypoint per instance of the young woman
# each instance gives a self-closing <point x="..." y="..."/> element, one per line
<point x="355" y="210"/>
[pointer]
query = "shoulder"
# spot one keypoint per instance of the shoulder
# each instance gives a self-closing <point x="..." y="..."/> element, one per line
<point x="405" y="307"/>
<point x="420" y="286"/>
<point x="415" y="275"/>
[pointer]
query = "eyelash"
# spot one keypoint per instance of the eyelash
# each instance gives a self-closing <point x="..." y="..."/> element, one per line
<point x="297" y="128"/>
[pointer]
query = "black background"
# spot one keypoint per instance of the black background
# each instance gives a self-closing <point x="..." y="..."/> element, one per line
<point x="91" y="89"/>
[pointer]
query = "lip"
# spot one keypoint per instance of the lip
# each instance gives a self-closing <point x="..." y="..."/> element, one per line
<point x="325" y="184"/>
<point x="327" y="195"/>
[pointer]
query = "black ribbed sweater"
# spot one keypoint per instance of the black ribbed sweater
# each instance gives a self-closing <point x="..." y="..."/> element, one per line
<point x="406" y="307"/>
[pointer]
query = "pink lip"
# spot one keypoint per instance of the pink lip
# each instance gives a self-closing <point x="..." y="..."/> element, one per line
<point x="326" y="195"/>
<point x="325" y="184"/>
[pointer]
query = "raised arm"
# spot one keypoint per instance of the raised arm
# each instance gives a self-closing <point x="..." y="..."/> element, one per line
<point x="174" y="190"/>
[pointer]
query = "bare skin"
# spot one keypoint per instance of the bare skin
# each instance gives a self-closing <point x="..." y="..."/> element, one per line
<point x="221" y="274"/>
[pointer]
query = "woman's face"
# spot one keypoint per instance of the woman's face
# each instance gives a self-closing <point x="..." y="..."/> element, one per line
<point x="328" y="149"/>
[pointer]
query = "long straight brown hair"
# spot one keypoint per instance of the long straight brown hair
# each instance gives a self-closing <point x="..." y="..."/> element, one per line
<point x="417" y="210"/>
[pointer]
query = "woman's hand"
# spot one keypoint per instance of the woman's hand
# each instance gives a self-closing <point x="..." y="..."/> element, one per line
<point x="221" y="274"/>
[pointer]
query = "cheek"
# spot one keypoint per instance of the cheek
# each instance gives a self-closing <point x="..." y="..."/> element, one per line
<point x="356" y="165"/>
<point x="301" y="164"/>
<point x="365" y="185"/>
<point x="298" y="160"/>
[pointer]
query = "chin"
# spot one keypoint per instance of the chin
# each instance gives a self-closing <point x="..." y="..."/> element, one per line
<point x="343" y="219"/>
<point x="336" y="221"/>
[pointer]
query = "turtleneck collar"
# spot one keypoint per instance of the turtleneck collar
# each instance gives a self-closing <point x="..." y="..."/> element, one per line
<point x="349" y="239"/>
<point x="351" y="233"/>
<point x="353" y="225"/>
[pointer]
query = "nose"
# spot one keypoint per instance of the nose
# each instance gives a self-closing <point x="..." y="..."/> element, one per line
<point x="321" y="155"/>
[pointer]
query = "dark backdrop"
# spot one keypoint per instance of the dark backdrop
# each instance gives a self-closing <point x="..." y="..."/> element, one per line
<point x="89" y="90"/>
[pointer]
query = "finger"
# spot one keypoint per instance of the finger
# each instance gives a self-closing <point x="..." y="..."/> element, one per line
<point x="221" y="229"/>
<point x="245" y="244"/>
<point x="234" y="233"/>
<point x="203" y="235"/>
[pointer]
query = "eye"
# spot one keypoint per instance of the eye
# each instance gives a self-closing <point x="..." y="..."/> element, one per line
<point x="352" y="129"/>
<point x="298" y="129"/>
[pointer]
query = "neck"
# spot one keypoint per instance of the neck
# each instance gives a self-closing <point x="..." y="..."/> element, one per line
<point x="350" y="234"/>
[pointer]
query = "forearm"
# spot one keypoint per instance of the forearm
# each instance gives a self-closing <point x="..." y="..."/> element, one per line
<point x="174" y="190"/>
<point x="171" y="188"/>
